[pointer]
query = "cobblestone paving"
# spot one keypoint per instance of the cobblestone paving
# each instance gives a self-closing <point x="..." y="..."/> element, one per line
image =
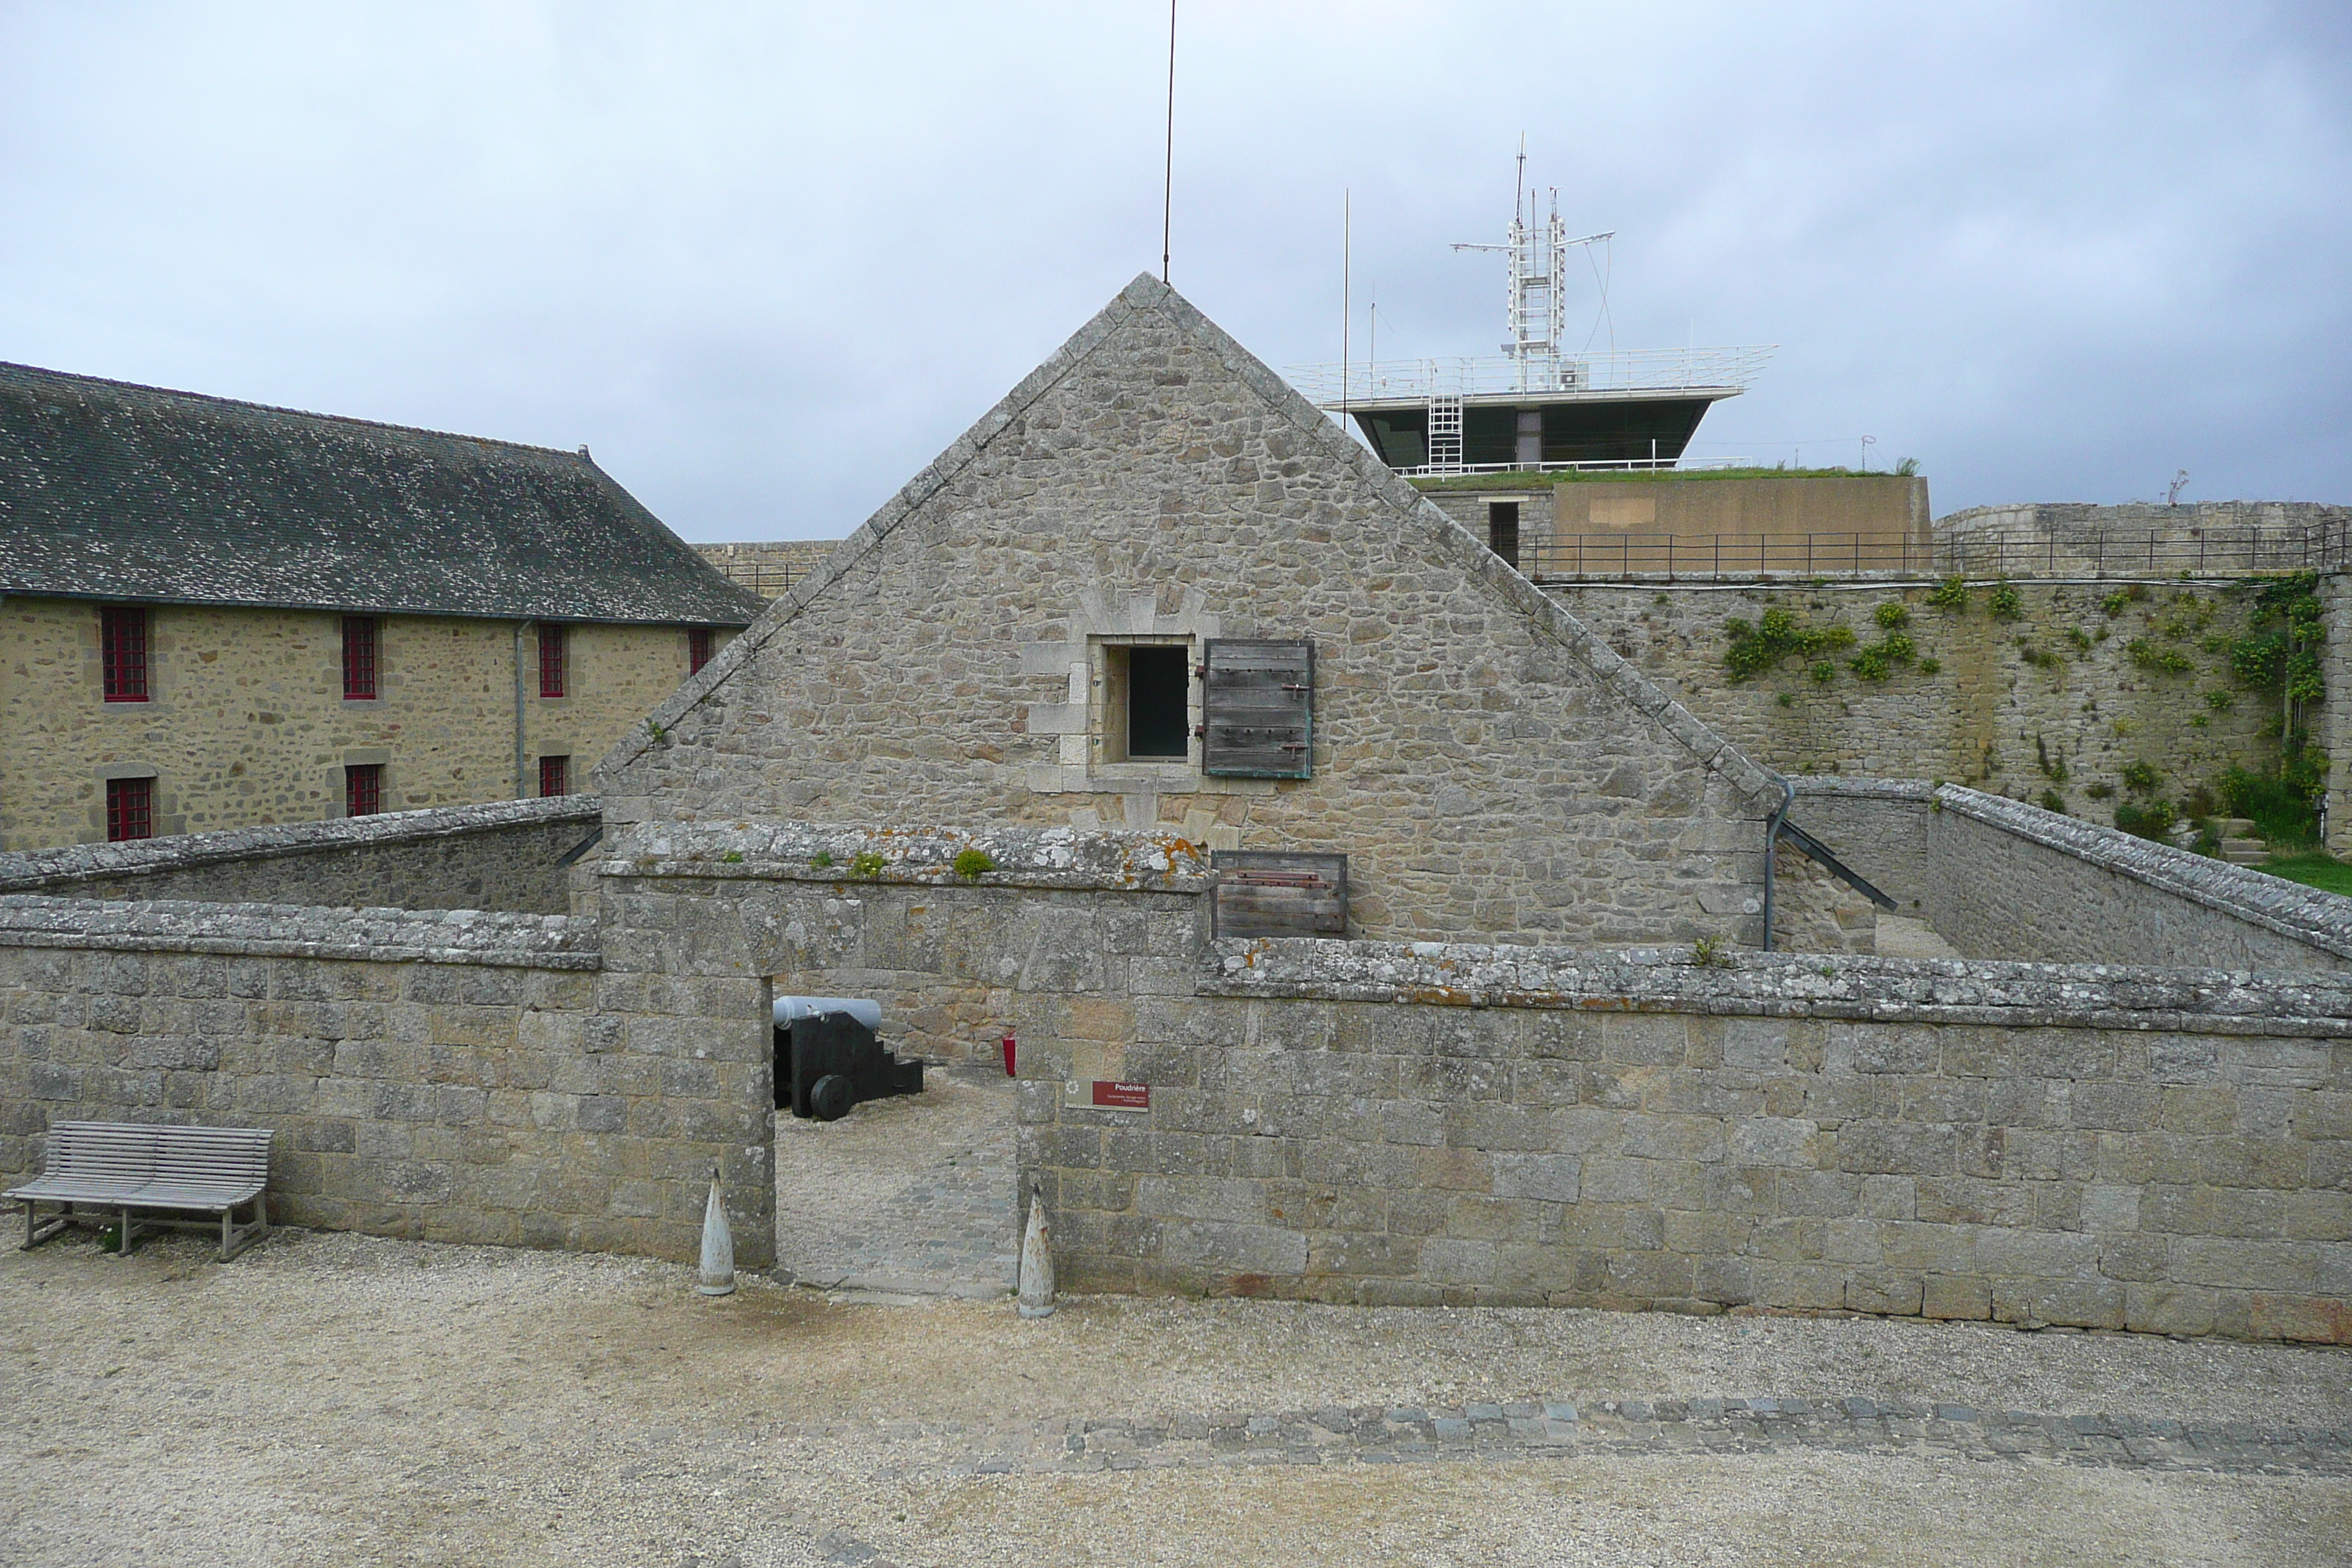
<point x="1376" y="1435"/>
<point x="911" y="1195"/>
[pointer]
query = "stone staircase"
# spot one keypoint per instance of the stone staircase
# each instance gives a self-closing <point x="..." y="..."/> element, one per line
<point x="2240" y="845"/>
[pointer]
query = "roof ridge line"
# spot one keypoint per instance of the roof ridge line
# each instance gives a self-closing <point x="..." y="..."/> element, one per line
<point x="577" y="457"/>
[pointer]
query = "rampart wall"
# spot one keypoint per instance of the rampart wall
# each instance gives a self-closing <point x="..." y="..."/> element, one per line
<point x="504" y="856"/>
<point x="2000" y="879"/>
<point x="2054" y="701"/>
<point x="455" y="1075"/>
<point x="1394" y="1123"/>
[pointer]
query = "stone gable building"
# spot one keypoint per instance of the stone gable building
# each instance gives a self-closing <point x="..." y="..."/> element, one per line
<point x="215" y="615"/>
<point x="1031" y="634"/>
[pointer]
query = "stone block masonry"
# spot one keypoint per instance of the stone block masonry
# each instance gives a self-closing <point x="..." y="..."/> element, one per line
<point x="2114" y="1147"/>
<point x="2053" y="701"/>
<point x="505" y="855"/>
<point x="1998" y="879"/>
<point x="454" y="1077"/>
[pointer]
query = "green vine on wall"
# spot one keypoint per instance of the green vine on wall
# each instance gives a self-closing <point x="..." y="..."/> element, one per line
<point x="1760" y="648"/>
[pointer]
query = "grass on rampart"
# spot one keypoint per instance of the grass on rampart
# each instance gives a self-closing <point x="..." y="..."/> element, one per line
<point x="1529" y="479"/>
<point x="2316" y="869"/>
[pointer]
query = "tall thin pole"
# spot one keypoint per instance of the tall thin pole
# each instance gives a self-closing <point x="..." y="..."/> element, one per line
<point x="1346" y="260"/>
<point x="1168" y="175"/>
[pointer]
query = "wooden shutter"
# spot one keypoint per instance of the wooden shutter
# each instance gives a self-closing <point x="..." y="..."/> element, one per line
<point x="1258" y="709"/>
<point x="1262" y="893"/>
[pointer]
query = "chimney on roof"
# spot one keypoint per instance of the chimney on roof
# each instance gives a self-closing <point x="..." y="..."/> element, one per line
<point x="583" y="451"/>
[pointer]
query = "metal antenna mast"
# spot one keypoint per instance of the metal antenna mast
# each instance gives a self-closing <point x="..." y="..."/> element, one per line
<point x="1168" y="174"/>
<point x="1537" y="300"/>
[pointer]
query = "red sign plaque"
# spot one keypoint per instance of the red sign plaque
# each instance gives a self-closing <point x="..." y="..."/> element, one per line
<point x="1109" y="1096"/>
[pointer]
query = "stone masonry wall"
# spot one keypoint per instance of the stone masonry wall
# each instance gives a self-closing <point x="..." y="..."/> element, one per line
<point x="2000" y="879"/>
<point x="1488" y="767"/>
<point x="2053" y="701"/>
<point x="248" y="724"/>
<point x="505" y="855"/>
<point x="1378" y="1123"/>
<point x="455" y="1076"/>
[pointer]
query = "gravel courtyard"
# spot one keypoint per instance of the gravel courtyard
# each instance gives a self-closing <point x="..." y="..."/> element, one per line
<point x="336" y="1399"/>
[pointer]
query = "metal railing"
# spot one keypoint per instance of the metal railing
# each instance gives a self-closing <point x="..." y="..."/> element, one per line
<point x="1629" y="370"/>
<point x="1750" y="557"/>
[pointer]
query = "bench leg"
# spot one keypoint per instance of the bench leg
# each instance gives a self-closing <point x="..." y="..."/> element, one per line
<point x="236" y="1238"/>
<point x="123" y="1249"/>
<point x="37" y="1234"/>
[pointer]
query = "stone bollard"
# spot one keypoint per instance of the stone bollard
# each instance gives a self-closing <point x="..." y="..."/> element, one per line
<point x="718" y="1246"/>
<point x="1036" y="1261"/>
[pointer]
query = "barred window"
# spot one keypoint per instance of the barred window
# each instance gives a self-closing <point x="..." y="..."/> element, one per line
<point x="555" y="775"/>
<point x="129" y="809"/>
<point x="362" y="789"/>
<point x="122" y="652"/>
<point x="359" y="658"/>
<point x="551" y="642"/>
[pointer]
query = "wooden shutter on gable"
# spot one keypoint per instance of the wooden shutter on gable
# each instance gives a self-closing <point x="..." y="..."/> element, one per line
<point x="1257" y="705"/>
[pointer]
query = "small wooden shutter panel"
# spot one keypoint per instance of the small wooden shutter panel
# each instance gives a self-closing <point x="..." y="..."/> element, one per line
<point x="1257" y="706"/>
<point x="1268" y="893"/>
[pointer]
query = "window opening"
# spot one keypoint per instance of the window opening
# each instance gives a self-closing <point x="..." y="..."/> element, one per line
<point x="555" y="775"/>
<point x="698" y="649"/>
<point x="129" y="809"/>
<point x="359" y="658"/>
<point x="551" y="641"/>
<point x="1146" y="695"/>
<point x="1503" y="530"/>
<point x="362" y="789"/>
<point x="122" y="652"/>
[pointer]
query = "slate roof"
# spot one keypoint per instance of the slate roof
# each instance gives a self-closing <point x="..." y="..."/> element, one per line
<point x="116" y="491"/>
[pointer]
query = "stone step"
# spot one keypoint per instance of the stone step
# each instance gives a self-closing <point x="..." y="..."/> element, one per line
<point x="2245" y="856"/>
<point x="2245" y="846"/>
<point x="2234" y="827"/>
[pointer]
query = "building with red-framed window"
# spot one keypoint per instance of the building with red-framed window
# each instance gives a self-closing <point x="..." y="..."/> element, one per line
<point x="290" y="616"/>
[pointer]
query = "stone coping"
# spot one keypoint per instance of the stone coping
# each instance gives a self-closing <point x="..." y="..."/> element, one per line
<point x="1785" y="986"/>
<point x="500" y="938"/>
<point x="2309" y="915"/>
<point x="1056" y="857"/>
<point x="30" y="869"/>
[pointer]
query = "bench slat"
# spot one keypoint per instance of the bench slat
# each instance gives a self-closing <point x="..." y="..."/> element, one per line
<point x="152" y="1165"/>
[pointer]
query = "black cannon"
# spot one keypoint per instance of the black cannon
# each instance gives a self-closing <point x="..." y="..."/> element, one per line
<point x="829" y="1057"/>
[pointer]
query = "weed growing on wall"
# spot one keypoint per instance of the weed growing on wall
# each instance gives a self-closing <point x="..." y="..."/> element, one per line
<point x="2003" y="601"/>
<point x="1951" y="594"/>
<point x="1778" y="636"/>
<point x="971" y="864"/>
<point x="2279" y="656"/>
<point x="2151" y="655"/>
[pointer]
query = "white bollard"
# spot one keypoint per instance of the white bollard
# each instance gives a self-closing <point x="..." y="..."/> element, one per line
<point x="1036" y="1261"/>
<point x="718" y="1246"/>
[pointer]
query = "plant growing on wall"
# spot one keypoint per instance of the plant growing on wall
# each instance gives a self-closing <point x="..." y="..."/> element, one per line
<point x="1951" y="594"/>
<point x="2279" y="656"/>
<point x="866" y="865"/>
<point x="2004" y="602"/>
<point x="2151" y="655"/>
<point x="971" y="864"/>
<point x="1778" y="635"/>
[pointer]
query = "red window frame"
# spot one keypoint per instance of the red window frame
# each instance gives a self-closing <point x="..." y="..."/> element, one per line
<point x="697" y="648"/>
<point x="122" y="652"/>
<point x="551" y="651"/>
<point x="129" y="809"/>
<point x="359" y="659"/>
<point x="555" y="776"/>
<point x="362" y="789"/>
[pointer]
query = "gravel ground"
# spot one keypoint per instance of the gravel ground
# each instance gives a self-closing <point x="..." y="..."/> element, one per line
<point x="333" y="1398"/>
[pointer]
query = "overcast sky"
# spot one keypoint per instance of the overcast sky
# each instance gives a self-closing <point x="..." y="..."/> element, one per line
<point x="766" y="260"/>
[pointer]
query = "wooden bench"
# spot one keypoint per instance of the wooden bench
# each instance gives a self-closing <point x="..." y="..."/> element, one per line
<point x="117" y="1168"/>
